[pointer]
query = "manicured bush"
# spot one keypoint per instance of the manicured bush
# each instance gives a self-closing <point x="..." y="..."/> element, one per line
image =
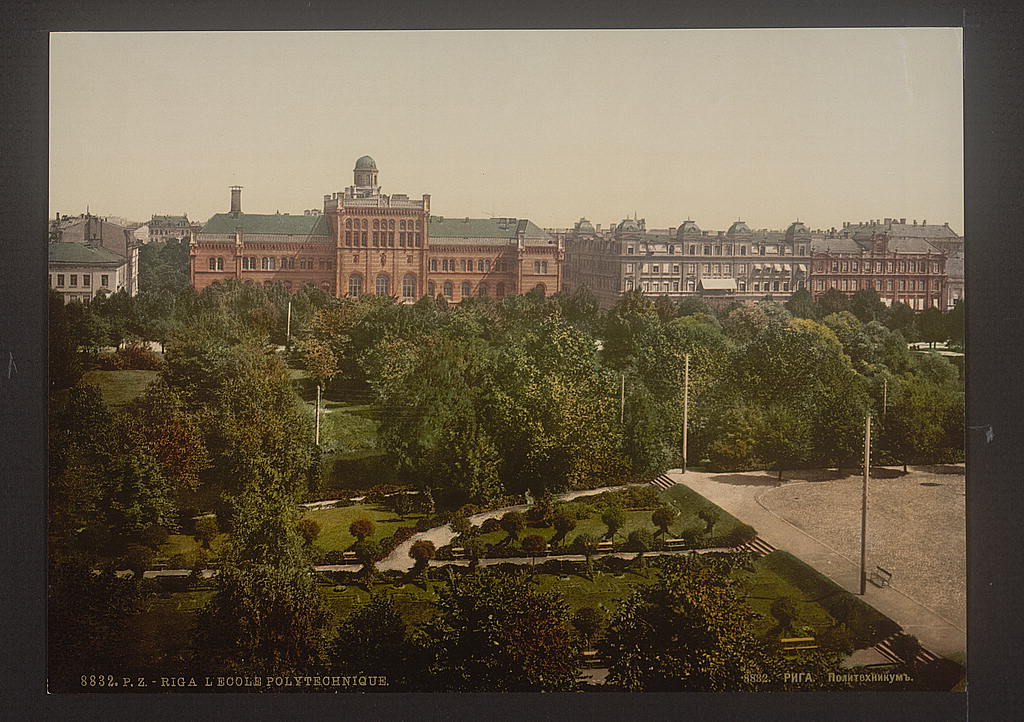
<point x="460" y="524"/>
<point x="639" y="540"/>
<point x="512" y="523"/>
<point x="587" y="621"/>
<point x="739" y="534"/>
<point x="333" y="556"/>
<point x="784" y="611"/>
<point x="663" y="517"/>
<point x="308" y="529"/>
<point x="445" y="553"/>
<point x="138" y="559"/>
<point x="534" y="545"/>
<point x="361" y="528"/>
<point x="490" y="525"/>
<point x="178" y="561"/>
<point x="403" y="533"/>
<point x="613" y="518"/>
<point x="422" y="551"/>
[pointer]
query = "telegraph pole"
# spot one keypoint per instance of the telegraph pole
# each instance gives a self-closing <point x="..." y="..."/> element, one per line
<point x="885" y="394"/>
<point x="864" y="507"/>
<point x="686" y="404"/>
<point x="622" y="401"/>
<point x="318" y="414"/>
<point x="288" y="332"/>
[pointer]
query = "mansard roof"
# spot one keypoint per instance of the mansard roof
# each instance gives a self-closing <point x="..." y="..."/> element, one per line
<point x="278" y="224"/>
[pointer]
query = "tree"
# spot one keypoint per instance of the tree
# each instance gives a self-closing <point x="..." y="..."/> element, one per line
<point x="587" y="621"/>
<point x="688" y="631"/>
<point x="784" y="611"/>
<point x="931" y="326"/>
<point x="709" y="515"/>
<point x="474" y="549"/>
<point x="534" y="545"/>
<point x="801" y="305"/>
<point x="587" y="545"/>
<point x="308" y="529"/>
<point x="512" y="523"/>
<point x="206" y="530"/>
<point x="421" y="552"/>
<point x="640" y="541"/>
<point x="613" y="517"/>
<point x="490" y="525"/>
<point x="833" y="301"/>
<point x="563" y="523"/>
<point x="368" y="553"/>
<point x="786" y="441"/>
<point x="361" y="528"/>
<point x="401" y="504"/>
<point x="866" y="305"/>
<point x="460" y="525"/>
<point x="662" y="518"/>
<point x="906" y="647"/>
<point x="138" y="559"/>
<point x="267" y="615"/>
<point x="374" y="639"/>
<point x="496" y="633"/>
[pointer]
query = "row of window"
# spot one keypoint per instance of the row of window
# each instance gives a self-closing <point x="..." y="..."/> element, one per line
<point x="382" y="285"/>
<point x="674" y="286"/>
<point x="383" y="225"/>
<point x="73" y="280"/>
<point x="726" y="250"/>
<point x="878" y="266"/>
<point x="855" y="284"/>
<point x="483" y="290"/>
<point x="384" y="238"/>
<point x="483" y="265"/>
<point x="270" y="263"/>
<point x="707" y="268"/>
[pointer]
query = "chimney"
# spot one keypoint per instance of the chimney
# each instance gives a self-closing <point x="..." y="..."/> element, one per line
<point x="903" y="221"/>
<point x="915" y="221"/>
<point x="924" y="222"/>
<point x="236" y="200"/>
<point x="888" y="221"/>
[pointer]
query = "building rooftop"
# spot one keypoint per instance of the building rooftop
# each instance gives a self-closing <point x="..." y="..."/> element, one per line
<point x="279" y="224"/>
<point x="366" y="163"/>
<point x="81" y="253"/>
<point x="486" y="228"/>
<point x="169" y="221"/>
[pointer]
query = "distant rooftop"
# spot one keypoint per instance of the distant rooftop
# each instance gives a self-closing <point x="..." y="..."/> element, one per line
<point x="281" y="224"/>
<point x="81" y="253"/>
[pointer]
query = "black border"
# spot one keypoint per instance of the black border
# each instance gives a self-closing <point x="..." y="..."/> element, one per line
<point x="993" y="223"/>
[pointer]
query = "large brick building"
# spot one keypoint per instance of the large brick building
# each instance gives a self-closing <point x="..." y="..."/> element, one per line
<point x="365" y="241"/>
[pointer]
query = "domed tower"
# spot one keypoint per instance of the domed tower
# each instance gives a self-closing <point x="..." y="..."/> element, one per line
<point x="739" y="229"/>
<point x="688" y="230"/>
<point x="797" y="231"/>
<point x="365" y="173"/>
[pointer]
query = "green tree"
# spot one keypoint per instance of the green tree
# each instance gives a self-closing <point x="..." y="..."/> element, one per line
<point x="512" y="522"/>
<point x="563" y="523"/>
<point x="786" y="440"/>
<point x="587" y="545"/>
<point x="309" y="530"/>
<point x="361" y="528"/>
<point x="587" y="621"/>
<point x="421" y="552"/>
<point x="931" y="326"/>
<point x="613" y="517"/>
<point x="710" y="516"/>
<point x="266" y="616"/>
<point x="640" y="541"/>
<point x="496" y="633"/>
<point x="784" y="611"/>
<point x="534" y="545"/>
<point x="374" y="639"/>
<point x="833" y="301"/>
<point x="866" y="305"/>
<point x="206" y="530"/>
<point x="368" y="552"/>
<point x="801" y="305"/>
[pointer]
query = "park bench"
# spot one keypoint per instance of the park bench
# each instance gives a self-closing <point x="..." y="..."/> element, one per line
<point x="794" y="643"/>
<point x="880" y="577"/>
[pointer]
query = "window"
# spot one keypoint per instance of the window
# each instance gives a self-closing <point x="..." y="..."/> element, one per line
<point x="691" y="267"/>
<point x="855" y="267"/>
<point x="675" y="285"/>
<point x="757" y="286"/>
<point x="802" y="250"/>
<point x="693" y="250"/>
<point x="213" y="264"/>
<point x="487" y="266"/>
<point x="447" y="289"/>
<point x="889" y="285"/>
<point x="726" y="267"/>
<point x="348" y="223"/>
<point x="105" y="280"/>
<point x="543" y="266"/>
<point x="675" y="268"/>
<point x="707" y="250"/>
<point x="775" y="285"/>
<point x="629" y="284"/>
<point x="431" y="289"/>
<point x="903" y="284"/>
<point x="718" y="268"/>
<point x="409" y="286"/>
<point x="433" y="264"/>
<point x="466" y="290"/>
<point x="657" y="268"/>
<point x="355" y="285"/>
<point x="220" y="265"/>
<point x="462" y="265"/>
<point x="74" y="279"/>
<point x="383" y="285"/>
<point x="252" y="263"/>
<point x="707" y="268"/>
<point x="718" y="250"/>
<point x="743" y="250"/>
<point x="363" y="234"/>
<point x="761" y="251"/>
<point x="49" y="279"/>
<point x="482" y="290"/>
<point x="629" y="268"/>
<point x="689" y="286"/>
<point x="672" y="249"/>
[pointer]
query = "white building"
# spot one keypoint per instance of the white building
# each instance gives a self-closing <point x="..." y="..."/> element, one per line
<point x="79" y="271"/>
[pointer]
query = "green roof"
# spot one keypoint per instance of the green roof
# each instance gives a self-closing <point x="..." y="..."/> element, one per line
<point x="68" y="252"/>
<point x="366" y="163"/>
<point x="272" y="224"/>
<point x="441" y="227"/>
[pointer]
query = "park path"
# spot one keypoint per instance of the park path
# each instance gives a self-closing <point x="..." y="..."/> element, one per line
<point x="739" y="497"/>
<point x="399" y="559"/>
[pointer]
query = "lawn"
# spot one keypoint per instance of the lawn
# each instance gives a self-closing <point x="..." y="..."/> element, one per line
<point x="334" y="523"/>
<point x="188" y="546"/>
<point x="763" y="586"/>
<point x="593" y="526"/>
<point x="119" y="387"/>
<point x="688" y="503"/>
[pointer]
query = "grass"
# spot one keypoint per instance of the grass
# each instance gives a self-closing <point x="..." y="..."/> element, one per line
<point x="688" y="503"/>
<point x="334" y="523"/>
<point x="119" y="387"/>
<point x="766" y="584"/>
<point x="187" y="545"/>
<point x="160" y="634"/>
<point x="593" y="526"/>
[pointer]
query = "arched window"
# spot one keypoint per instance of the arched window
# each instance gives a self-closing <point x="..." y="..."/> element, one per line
<point x="391" y="225"/>
<point x="501" y="290"/>
<point x="409" y="286"/>
<point x="326" y="287"/>
<point x="355" y="285"/>
<point x="302" y="264"/>
<point x="265" y="263"/>
<point x="418" y="224"/>
<point x="444" y="264"/>
<point x="401" y="225"/>
<point x="220" y="264"/>
<point x="466" y="290"/>
<point x="431" y="289"/>
<point x="365" y="224"/>
<point x="480" y="265"/>
<point x="482" y="290"/>
<point x="383" y="285"/>
<point x="213" y="264"/>
<point x="348" y="223"/>
<point x="252" y="263"/>
<point x="462" y="264"/>
<point x="433" y="264"/>
<point x="447" y="289"/>
<point x="487" y="265"/>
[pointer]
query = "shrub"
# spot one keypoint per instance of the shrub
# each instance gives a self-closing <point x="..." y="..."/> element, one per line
<point x="153" y="535"/>
<point x="710" y="516"/>
<point x="541" y="512"/>
<point x="361" y="528"/>
<point x="206" y="529"/>
<point x="333" y="556"/>
<point x="308" y="529"/>
<point x="490" y="525"/>
<point x="639" y="540"/>
<point x="132" y="356"/>
<point x="784" y="611"/>
<point x="403" y="533"/>
<point x="424" y="524"/>
<point x="563" y="523"/>
<point x="469" y="510"/>
<point x="367" y="552"/>
<point x="422" y="551"/>
<point x="512" y="523"/>
<point x="138" y="559"/>
<point x="503" y="551"/>
<point x="445" y="553"/>
<point x="739" y="534"/>
<point x="613" y="518"/>
<point x="587" y="621"/>
<point x="906" y="648"/>
<point x="534" y="546"/>
<point x="460" y="524"/>
<point x="838" y="638"/>
<point x="663" y="517"/>
<point x="178" y="561"/>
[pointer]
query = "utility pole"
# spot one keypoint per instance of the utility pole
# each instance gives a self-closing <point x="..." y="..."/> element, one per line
<point x="288" y="332"/>
<point x="318" y="414"/>
<point x="885" y="394"/>
<point x="864" y="507"/>
<point x="686" y="403"/>
<point x="622" y="401"/>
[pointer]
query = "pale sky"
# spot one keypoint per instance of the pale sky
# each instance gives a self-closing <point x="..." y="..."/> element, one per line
<point x="768" y="125"/>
